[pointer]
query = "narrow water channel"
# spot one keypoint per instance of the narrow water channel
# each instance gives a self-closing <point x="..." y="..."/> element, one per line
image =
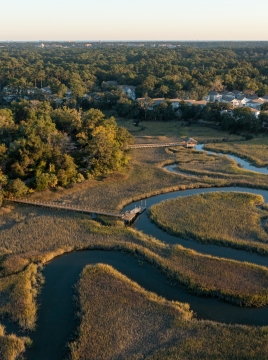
<point x="56" y="320"/>
<point x="242" y="162"/>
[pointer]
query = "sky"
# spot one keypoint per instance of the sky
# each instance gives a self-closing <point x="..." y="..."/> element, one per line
<point x="93" y="20"/>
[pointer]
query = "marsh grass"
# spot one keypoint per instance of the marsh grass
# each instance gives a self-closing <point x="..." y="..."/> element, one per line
<point x="11" y="347"/>
<point x="18" y="296"/>
<point x="255" y="150"/>
<point x="35" y="235"/>
<point x="65" y="232"/>
<point x="200" y="163"/>
<point x="230" y="219"/>
<point x="120" y="320"/>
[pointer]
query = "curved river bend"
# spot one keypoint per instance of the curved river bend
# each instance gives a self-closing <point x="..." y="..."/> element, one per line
<point x="56" y="321"/>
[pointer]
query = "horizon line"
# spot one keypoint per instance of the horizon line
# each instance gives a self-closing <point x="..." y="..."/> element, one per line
<point x="166" y="40"/>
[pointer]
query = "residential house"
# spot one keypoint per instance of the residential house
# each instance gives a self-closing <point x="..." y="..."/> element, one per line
<point x="243" y="100"/>
<point x="175" y="103"/>
<point x="46" y="90"/>
<point x="230" y="100"/>
<point x="255" y="112"/>
<point x="228" y="94"/>
<point x="158" y="101"/>
<point x="237" y="93"/>
<point x="255" y="104"/>
<point x="214" y="96"/>
<point x="129" y="90"/>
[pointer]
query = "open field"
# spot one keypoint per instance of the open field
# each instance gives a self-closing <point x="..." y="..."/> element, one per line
<point x="255" y="150"/>
<point x="176" y="129"/>
<point x="230" y="219"/>
<point x="115" y="310"/>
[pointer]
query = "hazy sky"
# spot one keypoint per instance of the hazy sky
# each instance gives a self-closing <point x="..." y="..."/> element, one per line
<point x="133" y="20"/>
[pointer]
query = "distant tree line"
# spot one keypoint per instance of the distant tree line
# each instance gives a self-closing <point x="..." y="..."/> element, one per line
<point x="159" y="72"/>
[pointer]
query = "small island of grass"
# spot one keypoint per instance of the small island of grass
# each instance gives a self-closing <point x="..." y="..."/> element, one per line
<point x="115" y="310"/>
<point x="229" y="219"/>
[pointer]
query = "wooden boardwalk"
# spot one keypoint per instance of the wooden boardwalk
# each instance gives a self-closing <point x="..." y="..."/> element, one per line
<point x="141" y="146"/>
<point x="127" y="216"/>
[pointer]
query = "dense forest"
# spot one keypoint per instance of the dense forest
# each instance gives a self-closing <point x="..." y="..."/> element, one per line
<point x="42" y="148"/>
<point x="63" y="138"/>
<point x="179" y="72"/>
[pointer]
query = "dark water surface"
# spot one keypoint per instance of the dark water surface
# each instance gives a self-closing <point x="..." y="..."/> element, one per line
<point x="146" y="226"/>
<point x="242" y="162"/>
<point x="56" y="322"/>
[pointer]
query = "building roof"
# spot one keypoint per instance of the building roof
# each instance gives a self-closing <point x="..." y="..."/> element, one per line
<point x="236" y="92"/>
<point x="110" y="83"/>
<point x="190" y="140"/>
<point x="252" y="97"/>
<point x="126" y="87"/>
<point x="226" y="98"/>
<point x="212" y="92"/>
<point x="241" y="97"/>
<point x="175" y="100"/>
<point x="259" y="100"/>
<point x="254" y="110"/>
<point x="200" y="102"/>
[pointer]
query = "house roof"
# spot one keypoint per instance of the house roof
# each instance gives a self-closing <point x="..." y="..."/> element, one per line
<point x="236" y="92"/>
<point x="226" y="98"/>
<point x="252" y="97"/>
<point x="189" y="140"/>
<point x="175" y="100"/>
<point x="265" y="97"/>
<point x="110" y="82"/>
<point x="241" y="97"/>
<point x="200" y="102"/>
<point x="260" y="101"/>
<point x="127" y="87"/>
<point x="212" y="92"/>
<point x="254" y="110"/>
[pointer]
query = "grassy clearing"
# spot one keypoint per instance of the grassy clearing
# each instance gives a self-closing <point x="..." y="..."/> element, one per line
<point x="229" y="219"/>
<point x="255" y="150"/>
<point x="176" y="129"/>
<point x="11" y="347"/>
<point x="120" y="320"/>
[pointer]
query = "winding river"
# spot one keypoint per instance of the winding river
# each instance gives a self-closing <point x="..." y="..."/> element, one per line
<point x="56" y="322"/>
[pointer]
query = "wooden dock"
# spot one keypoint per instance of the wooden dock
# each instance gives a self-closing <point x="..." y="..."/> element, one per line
<point x="127" y="217"/>
<point x="131" y="215"/>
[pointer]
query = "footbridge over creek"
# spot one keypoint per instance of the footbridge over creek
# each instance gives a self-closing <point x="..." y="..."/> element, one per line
<point x="188" y="143"/>
<point x="127" y="216"/>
